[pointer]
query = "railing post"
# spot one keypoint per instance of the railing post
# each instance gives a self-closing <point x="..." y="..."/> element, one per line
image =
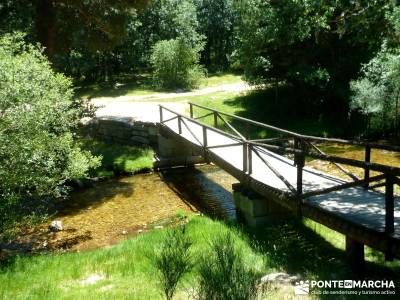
<point x="300" y="162"/>
<point x="161" y="114"/>
<point x="205" y="136"/>
<point x="191" y="110"/>
<point x="205" y="144"/>
<point x="389" y="204"/>
<point x="247" y="131"/>
<point x="366" y="169"/>
<point x="245" y="157"/>
<point x="215" y="119"/>
<point x="179" y="125"/>
<point x="389" y="214"/>
<point x="250" y="161"/>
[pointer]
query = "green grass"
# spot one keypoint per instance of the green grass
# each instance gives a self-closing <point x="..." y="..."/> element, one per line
<point x="128" y="272"/>
<point x="220" y="79"/>
<point x="119" y="159"/>
<point x="260" y="105"/>
<point x="123" y="85"/>
<point x="337" y="240"/>
<point x="141" y="85"/>
<point x="127" y="268"/>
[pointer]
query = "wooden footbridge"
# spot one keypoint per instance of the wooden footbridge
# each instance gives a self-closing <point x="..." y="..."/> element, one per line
<point x="276" y="169"/>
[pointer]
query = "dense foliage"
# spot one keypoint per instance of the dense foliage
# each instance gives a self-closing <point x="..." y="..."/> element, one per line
<point x="175" y="64"/>
<point x="314" y="47"/>
<point x="38" y="117"/>
<point x="376" y="94"/>
<point x="216" y="22"/>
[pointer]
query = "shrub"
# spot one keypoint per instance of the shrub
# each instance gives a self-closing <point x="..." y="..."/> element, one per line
<point x="38" y="118"/>
<point x="376" y="94"/>
<point x="174" y="260"/>
<point x="223" y="273"/>
<point x="175" y="64"/>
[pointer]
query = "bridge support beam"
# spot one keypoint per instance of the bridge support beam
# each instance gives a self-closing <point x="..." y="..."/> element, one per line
<point x="257" y="210"/>
<point x="355" y="255"/>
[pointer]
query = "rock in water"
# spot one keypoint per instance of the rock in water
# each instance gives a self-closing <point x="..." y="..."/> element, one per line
<point x="56" y="226"/>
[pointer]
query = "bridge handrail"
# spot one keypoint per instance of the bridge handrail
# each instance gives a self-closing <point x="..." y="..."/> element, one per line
<point x="300" y="152"/>
<point x="196" y="122"/>
<point x="301" y="136"/>
<point x="331" y="158"/>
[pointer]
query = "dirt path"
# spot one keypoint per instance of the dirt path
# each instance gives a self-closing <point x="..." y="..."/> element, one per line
<point x="145" y="107"/>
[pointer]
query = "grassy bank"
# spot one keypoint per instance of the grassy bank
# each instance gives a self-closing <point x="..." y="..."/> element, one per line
<point x="127" y="270"/>
<point x="118" y="159"/>
<point x="142" y="85"/>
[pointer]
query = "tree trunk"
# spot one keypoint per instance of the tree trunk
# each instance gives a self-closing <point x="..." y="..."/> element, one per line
<point x="396" y="125"/>
<point x="46" y="25"/>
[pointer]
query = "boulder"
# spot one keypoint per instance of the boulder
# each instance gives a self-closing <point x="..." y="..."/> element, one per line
<point x="56" y="226"/>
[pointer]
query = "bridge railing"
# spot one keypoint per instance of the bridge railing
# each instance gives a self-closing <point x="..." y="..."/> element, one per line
<point x="301" y="147"/>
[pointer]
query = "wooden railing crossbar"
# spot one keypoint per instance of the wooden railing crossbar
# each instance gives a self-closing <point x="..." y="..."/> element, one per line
<point x="342" y="186"/>
<point x="271" y="140"/>
<point x="191" y="132"/>
<point x="344" y="170"/>
<point x="276" y="172"/>
<point x="225" y="145"/>
<point x="232" y="128"/>
<point x="204" y="116"/>
<point x="168" y="120"/>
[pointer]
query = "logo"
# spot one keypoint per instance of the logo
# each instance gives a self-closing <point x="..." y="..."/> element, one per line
<point x="345" y="287"/>
<point x="302" y="287"/>
<point x="348" y="284"/>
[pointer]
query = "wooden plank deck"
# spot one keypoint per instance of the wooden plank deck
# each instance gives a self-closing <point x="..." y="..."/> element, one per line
<point x="365" y="208"/>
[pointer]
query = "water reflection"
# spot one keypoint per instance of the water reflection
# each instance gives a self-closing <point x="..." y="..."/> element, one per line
<point x="207" y="187"/>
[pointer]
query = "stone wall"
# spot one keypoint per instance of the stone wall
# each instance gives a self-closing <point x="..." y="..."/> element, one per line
<point x="123" y="130"/>
<point x="170" y="150"/>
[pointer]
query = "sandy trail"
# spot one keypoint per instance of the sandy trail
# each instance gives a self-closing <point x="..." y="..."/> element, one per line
<point x="145" y="107"/>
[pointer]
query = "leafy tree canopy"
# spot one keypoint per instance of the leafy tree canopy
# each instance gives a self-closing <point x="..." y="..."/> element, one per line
<point x="317" y="46"/>
<point x="57" y="24"/>
<point x="376" y="94"/>
<point x="37" y="122"/>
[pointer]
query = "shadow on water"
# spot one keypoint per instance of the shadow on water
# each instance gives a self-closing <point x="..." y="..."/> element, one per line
<point x="207" y="188"/>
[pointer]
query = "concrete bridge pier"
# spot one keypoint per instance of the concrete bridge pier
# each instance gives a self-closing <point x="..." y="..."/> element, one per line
<point x="173" y="151"/>
<point x="257" y="210"/>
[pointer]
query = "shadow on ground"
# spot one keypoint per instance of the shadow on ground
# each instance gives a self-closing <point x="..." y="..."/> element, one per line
<point x="288" y="112"/>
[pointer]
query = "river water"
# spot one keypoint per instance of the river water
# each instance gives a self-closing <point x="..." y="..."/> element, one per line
<point x="120" y="208"/>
